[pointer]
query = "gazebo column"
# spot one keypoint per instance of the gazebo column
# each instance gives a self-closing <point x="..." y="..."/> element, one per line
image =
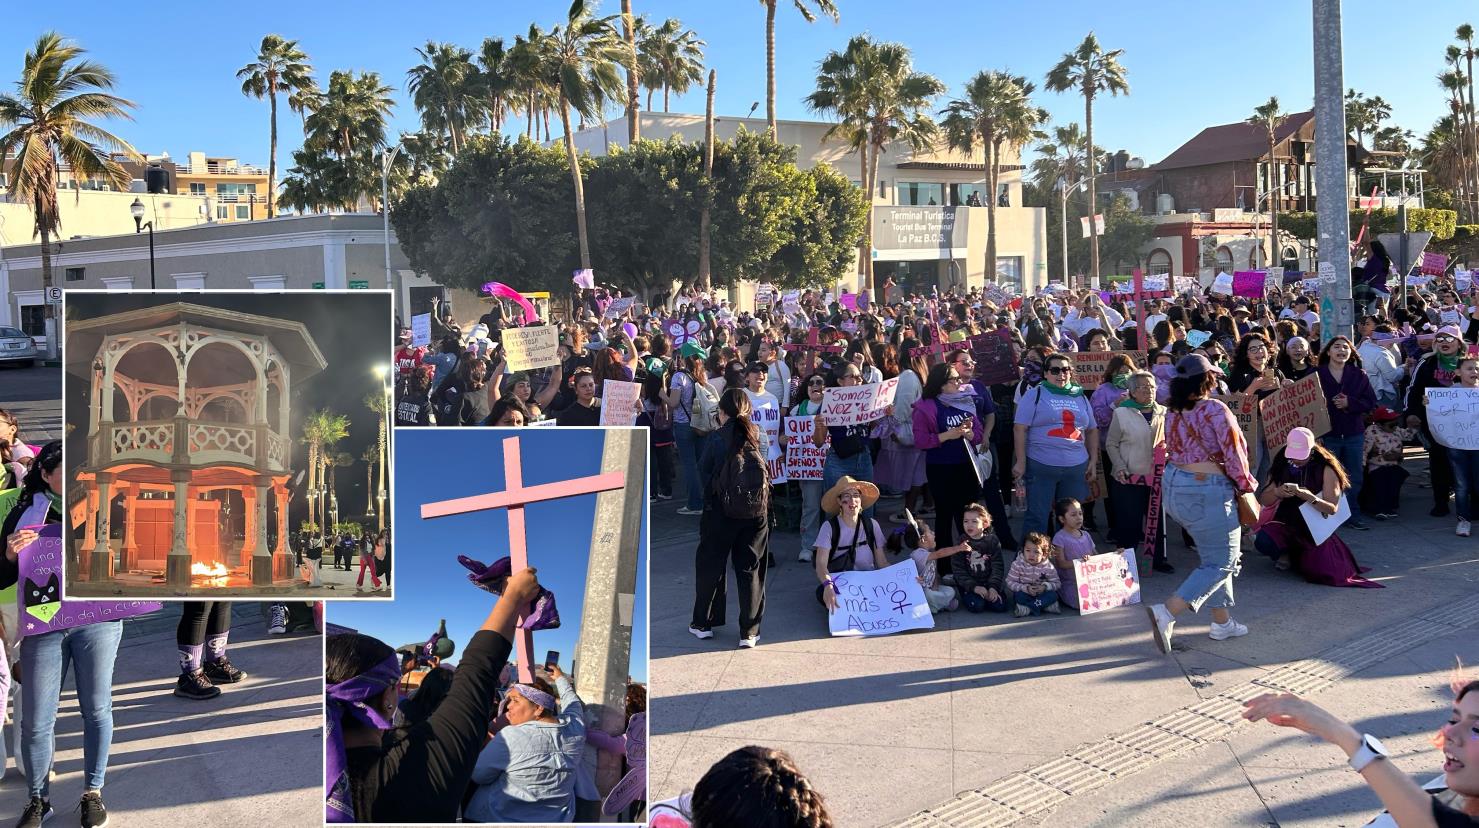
<point x="100" y="568"/>
<point x="249" y="523"/>
<point x="130" y="538"/>
<point x="177" y="568"/>
<point x="280" y="552"/>
<point x="92" y="509"/>
<point x="261" y="555"/>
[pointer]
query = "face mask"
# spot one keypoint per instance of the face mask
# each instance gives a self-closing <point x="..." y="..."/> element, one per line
<point x="1122" y="381"/>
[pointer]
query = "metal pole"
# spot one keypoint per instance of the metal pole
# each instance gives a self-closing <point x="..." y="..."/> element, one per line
<point x="1064" y="238"/>
<point x="1402" y="267"/>
<point x="150" y="225"/>
<point x="1333" y="206"/>
<point x="386" y="158"/>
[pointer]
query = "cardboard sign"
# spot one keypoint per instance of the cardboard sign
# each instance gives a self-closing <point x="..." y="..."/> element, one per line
<point x="1249" y="283"/>
<point x="1462" y="280"/>
<point x="1434" y="264"/>
<point x="1245" y="408"/>
<point x="619" y="402"/>
<point x="420" y="329"/>
<point x="765" y="413"/>
<point x="1300" y="404"/>
<point x="39" y="592"/>
<point x="533" y="347"/>
<point x="1453" y="416"/>
<point x="619" y="307"/>
<point x="995" y="362"/>
<point x="1089" y="366"/>
<point x="880" y="602"/>
<point x="803" y="459"/>
<point x="858" y="404"/>
<point x="791" y="302"/>
<point x="764" y="295"/>
<point x="1106" y="581"/>
<point x="1223" y="284"/>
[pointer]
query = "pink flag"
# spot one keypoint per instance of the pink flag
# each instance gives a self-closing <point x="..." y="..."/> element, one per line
<point x="585" y="279"/>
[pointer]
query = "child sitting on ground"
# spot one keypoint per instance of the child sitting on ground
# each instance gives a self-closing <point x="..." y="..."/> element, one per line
<point x="977" y="564"/>
<point x="918" y="542"/>
<point x="1033" y="580"/>
<point x="1070" y="544"/>
<point x="1384" y="472"/>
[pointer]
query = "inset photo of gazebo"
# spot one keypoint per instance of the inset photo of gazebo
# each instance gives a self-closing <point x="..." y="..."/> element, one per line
<point x="227" y="445"/>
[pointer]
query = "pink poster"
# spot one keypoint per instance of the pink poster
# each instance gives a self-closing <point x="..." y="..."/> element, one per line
<point x="39" y="591"/>
<point x="1248" y="283"/>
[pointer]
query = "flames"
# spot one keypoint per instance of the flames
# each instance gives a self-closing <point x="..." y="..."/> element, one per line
<point x="214" y="575"/>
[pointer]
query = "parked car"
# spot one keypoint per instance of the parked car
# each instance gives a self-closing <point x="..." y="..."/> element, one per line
<point x="16" y="347"/>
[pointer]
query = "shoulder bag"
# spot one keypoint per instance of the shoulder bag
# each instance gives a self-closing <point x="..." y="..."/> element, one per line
<point x="1247" y="503"/>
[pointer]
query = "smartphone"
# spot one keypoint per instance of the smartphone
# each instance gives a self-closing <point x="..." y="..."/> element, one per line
<point x="551" y="659"/>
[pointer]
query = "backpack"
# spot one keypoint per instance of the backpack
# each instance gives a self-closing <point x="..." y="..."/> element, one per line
<point x="742" y="486"/>
<point x="661" y="417"/>
<point x="835" y="524"/>
<point x="703" y="412"/>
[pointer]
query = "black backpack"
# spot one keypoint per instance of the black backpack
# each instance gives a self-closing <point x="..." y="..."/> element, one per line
<point x="742" y="487"/>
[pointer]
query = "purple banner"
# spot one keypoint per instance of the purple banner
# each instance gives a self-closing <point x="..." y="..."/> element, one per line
<point x="39" y="591"/>
<point x="1249" y="283"/>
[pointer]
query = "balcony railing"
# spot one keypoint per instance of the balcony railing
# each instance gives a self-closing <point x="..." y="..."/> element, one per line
<point x="154" y="441"/>
<point x="220" y="169"/>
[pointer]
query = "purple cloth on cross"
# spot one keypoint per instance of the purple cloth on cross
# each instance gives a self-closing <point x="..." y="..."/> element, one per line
<point x="542" y="615"/>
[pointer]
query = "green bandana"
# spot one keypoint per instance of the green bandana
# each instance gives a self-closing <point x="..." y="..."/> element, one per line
<point x="1129" y="402"/>
<point x="1223" y="366"/>
<point x="1069" y="390"/>
<point x="1121" y="381"/>
<point x="1448" y="363"/>
<point x="56" y="500"/>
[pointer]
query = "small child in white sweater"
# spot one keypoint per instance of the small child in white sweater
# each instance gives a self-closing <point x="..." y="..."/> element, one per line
<point x="918" y="542"/>
<point x="1033" y="579"/>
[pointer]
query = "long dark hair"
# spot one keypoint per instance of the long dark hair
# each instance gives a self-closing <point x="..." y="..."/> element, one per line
<point x="736" y="406"/>
<point x="1186" y="392"/>
<point x="1354" y="361"/>
<point x="757" y="787"/>
<point x="34" y="483"/>
<point x="1240" y="356"/>
<point x="433" y="690"/>
<point x="935" y="383"/>
<point x="1320" y="458"/>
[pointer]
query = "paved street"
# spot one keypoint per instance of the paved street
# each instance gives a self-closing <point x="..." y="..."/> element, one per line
<point x="892" y="727"/>
<point x="34" y="396"/>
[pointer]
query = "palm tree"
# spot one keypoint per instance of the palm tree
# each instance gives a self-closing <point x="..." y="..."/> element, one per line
<point x="445" y="88"/>
<point x="49" y="120"/>
<point x="1393" y="139"/>
<point x="580" y="64"/>
<point x="321" y="430"/>
<point x="1061" y="164"/>
<point x="877" y="98"/>
<point x="676" y="58"/>
<point x="1364" y="115"/>
<point x="1442" y="154"/>
<point x="350" y="126"/>
<point x="379" y="405"/>
<point x="526" y="60"/>
<point x="827" y="7"/>
<point x="1090" y="70"/>
<point x="1452" y="82"/>
<point x="498" y="82"/>
<point x="280" y="67"/>
<point x="997" y="110"/>
<point x="1270" y="117"/>
<point x="634" y="75"/>
<point x="304" y="100"/>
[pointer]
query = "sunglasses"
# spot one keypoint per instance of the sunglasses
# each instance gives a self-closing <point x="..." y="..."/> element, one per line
<point x="1060" y="369"/>
<point x="965" y="361"/>
<point x="817" y="383"/>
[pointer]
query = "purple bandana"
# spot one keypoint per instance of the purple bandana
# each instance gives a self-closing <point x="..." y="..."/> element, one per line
<point x="349" y="697"/>
<point x="537" y="696"/>
<point x="542" y="615"/>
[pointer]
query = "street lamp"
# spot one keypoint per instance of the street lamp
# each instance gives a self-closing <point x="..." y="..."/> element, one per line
<point x="387" y="157"/>
<point x="383" y="372"/>
<point x="137" y="209"/>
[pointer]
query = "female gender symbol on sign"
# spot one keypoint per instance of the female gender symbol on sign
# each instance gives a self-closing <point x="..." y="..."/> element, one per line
<point x="514" y="498"/>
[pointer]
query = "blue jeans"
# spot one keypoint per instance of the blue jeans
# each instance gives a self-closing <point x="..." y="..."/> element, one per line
<point x="1349" y="451"/>
<point x="859" y="467"/>
<point x="1035" y="603"/>
<point x="1203" y="505"/>
<point x="975" y="603"/>
<point x="1465" y="465"/>
<point x="1048" y="484"/>
<point x="688" y="449"/>
<point x="811" y="513"/>
<point x="44" y="660"/>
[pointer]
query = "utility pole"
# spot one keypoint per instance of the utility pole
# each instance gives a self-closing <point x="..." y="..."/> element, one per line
<point x="1337" y="310"/>
<point x="1402" y="266"/>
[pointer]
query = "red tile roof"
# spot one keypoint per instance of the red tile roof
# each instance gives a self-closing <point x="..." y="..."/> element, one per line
<point x="1241" y="141"/>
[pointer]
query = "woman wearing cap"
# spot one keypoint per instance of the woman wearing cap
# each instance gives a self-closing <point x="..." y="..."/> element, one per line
<point x="527" y="772"/>
<point x="1206" y="472"/>
<point x="1349" y="397"/>
<point x="1137" y="428"/>
<point x="1436" y="369"/>
<point x="1056" y="449"/>
<point x="1305" y="472"/>
<point x="1384" y="473"/>
<point x="847" y="541"/>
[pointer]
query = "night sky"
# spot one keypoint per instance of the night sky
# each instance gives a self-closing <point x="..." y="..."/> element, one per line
<point x="353" y="331"/>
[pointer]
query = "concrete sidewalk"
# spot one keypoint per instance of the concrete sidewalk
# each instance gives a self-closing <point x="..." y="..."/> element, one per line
<point x="253" y="755"/>
<point x="889" y="727"/>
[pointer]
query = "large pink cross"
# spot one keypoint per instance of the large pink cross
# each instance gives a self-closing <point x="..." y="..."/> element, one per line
<point x="1139" y="297"/>
<point x="813" y="346"/>
<point x="514" y="498"/>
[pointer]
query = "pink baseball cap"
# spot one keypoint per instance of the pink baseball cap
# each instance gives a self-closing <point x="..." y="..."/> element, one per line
<point x="1450" y="330"/>
<point x="1301" y="442"/>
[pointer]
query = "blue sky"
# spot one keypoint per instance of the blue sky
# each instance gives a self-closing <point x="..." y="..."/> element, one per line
<point x="444" y="463"/>
<point x="1190" y="64"/>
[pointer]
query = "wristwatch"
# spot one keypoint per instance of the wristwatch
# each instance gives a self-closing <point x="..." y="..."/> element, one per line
<point x="1370" y="751"/>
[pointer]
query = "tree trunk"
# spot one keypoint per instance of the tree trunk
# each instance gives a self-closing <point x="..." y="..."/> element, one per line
<point x="993" y="154"/>
<point x="704" y="230"/>
<point x="566" y="121"/>
<point x="1093" y="189"/>
<point x="770" y="66"/>
<point x="629" y="31"/>
<point x="272" y="159"/>
<point x="665" y="90"/>
<point x="585" y="244"/>
<point x="48" y="311"/>
<point x="865" y="250"/>
<point x="529" y="130"/>
<point x="649" y="100"/>
<point x="1473" y="128"/>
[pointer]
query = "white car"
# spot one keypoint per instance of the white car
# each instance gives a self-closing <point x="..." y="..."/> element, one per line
<point x="17" y="347"/>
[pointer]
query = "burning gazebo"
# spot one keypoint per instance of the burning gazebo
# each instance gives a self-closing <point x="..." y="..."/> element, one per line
<point x="186" y="402"/>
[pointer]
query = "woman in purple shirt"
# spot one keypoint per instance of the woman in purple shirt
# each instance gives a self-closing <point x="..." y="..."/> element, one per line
<point x="1349" y="396"/>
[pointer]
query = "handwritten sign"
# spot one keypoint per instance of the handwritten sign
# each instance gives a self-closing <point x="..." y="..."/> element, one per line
<point x="1089" y="366"/>
<point x="1223" y="284"/>
<point x="1245" y="408"/>
<point x="619" y="307"/>
<point x="1300" y="404"/>
<point x="1197" y="339"/>
<point x="1453" y="417"/>
<point x="765" y="413"/>
<point x="995" y="361"/>
<point x="858" y="404"/>
<point x="1248" y="283"/>
<point x="1107" y="581"/>
<point x="880" y="602"/>
<point x="791" y="302"/>
<point x="420" y="329"/>
<point x="803" y="458"/>
<point x="537" y="346"/>
<point x="1434" y="264"/>
<point x="764" y="294"/>
<point x="619" y="402"/>
<point x="39" y="591"/>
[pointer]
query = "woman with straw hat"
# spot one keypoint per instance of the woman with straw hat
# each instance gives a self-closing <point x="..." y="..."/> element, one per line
<point x="846" y="542"/>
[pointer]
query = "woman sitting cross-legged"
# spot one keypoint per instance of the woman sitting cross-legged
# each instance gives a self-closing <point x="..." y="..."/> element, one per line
<point x="846" y="541"/>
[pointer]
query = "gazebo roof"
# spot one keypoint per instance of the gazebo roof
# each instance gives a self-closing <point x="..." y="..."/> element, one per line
<point x="292" y="340"/>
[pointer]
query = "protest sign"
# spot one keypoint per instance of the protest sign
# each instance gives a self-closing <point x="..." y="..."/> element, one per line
<point x="1197" y="339"/>
<point x="1186" y="284"/>
<point x="534" y="347"/>
<point x="1248" y="283"/>
<point x="1434" y="264"/>
<point x="1273" y="278"/>
<point x="619" y="402"/>
<point x="995" y="361"/>
<point x="40" y="607"/>
<point x="1223" y="284"/>
<point x="545" y="423"/>
<point x="764" y="294"/>
<point x="1453" y="417"/>
<point x="1453" y="316"/>
<point x="1106" y="581"/>
<point x="791" y="301"/>
<point x="880" y="602"/>
<point x="619" y="306"/>
<point x="420" y="329"/>
<point x="1300" y="404"/>
<point x="803" y="459"/>
<point x="1089" y="366"/>
<point x="994" y="295"/>
<point x="849" y="301"/>
<point x="1462" y="280"/>
<point x="858" y="404"/>
<point x="1245" y="408"/>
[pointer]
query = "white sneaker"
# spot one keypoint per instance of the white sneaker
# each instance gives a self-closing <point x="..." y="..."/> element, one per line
<point x="277" y="623"/>
<point x="701" y="633"/>
<point x="1162" y="624"/>
<point x="684" y="510"/>
<point x="749" y="643"/>
<point x="805" y="556"/>
<point x="1463" y="529"/>
<point x="1232" y="629"/>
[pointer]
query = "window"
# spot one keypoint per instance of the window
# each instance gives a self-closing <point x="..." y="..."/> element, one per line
<point x="236" y="189"/>
<point x="1160" y="262"/>
<point x="76" y="274"/>
<point x="223" y="212"/>
<point x="920" y="193"/>
<point x="1009" y="271"/>
<point x="1224" y="260"/>
<point x="960" y="194"/>
<point x="243" y="212"/>
<point x="33" y="320"/>
<point x="197" y="188"/>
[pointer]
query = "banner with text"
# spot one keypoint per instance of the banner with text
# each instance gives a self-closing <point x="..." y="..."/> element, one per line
<point x="1453" y="417"/>
<point x="858" y="404"/>
<point x="1089" y="366"/>
<point x="1107" y="581"/>
<point x="803" y="458"/>
<point x="1300" y="404"/>
<point x="533" y="347"/>
<point x="619" y="402"/>
<point x="420" y="329"/>
<point x="880" y="602"/>
<point x="40" y="605"/>
<point x="1249" y="283"/>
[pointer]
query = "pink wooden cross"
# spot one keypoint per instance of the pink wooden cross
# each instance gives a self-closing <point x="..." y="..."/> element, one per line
<point x="514" y="498"/>
<point x="942" y="344"/>
<point x="1140" y="296"/>
<point x="813" y="346"/>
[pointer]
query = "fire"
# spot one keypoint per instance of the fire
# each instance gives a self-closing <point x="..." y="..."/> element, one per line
<point x="214" y="574"/>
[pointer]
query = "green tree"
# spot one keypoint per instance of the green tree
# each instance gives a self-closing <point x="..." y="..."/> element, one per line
<point x="50" y="119"/>
<point x="446" y="89"/>
<point x="280" y="67"/>
<point x="1126" y="231"/>
<point x="674" y="58"/>
<point x="339" y="162"/>
<point x="1270" y="117"/>
<point x="1364" y="115"/>
<point x="996" y="111"/>
<point x="1054" y="175"/>
<point x="1090" y="71"/>
<point x="526" y="65"/>
<point x="640" y="199"/>
<point x="498" y="82"/>
<point x="827" y="7"/>
<point x="877" y="98"/>
<point x="831" y="215"/>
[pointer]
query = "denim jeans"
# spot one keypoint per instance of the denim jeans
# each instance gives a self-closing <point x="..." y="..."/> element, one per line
<point x="1048" y="484"/>
<point x="1035" y="603"/>
<point x="811" y="513"/>
<point x="44" y="661"/>
<point x="1203" y="505"/>
<point x="975" y="603"/>
<point x="1350" y="451"/>
<point x="859" y="467"/>
<point x="688" y="449"/>
<point x="1465" y="463"/>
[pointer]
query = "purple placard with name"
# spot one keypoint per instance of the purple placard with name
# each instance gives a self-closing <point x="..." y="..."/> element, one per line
<point x="39" y="591"/>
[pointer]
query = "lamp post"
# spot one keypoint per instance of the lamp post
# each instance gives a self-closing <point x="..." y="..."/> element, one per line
<point x="383" y="372"/>
<point x="137" y="209"/>
<point x="387" y="157"/>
